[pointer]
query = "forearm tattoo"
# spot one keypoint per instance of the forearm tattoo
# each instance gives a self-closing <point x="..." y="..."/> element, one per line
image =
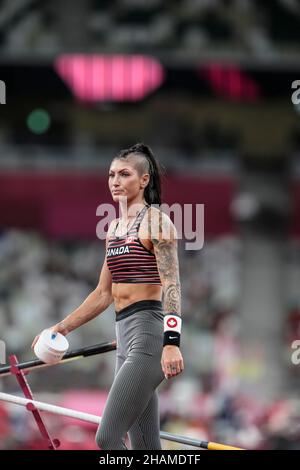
<point x="167" y="263"/>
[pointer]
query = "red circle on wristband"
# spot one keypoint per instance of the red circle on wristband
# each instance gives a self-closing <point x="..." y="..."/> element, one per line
<point x="172" y="322"/>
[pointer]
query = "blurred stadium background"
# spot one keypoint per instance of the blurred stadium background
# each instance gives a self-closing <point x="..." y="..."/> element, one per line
<point x="207" y="84"/>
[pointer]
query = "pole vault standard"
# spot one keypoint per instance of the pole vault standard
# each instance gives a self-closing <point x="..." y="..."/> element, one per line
<point x="20" y="369"/>
<point x="59" y="410"/>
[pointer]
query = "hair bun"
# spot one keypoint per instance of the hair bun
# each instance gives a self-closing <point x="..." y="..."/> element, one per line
<point x="141" y="148"/>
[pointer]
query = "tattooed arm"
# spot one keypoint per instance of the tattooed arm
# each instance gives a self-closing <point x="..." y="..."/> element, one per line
<point x="164" y="239"/>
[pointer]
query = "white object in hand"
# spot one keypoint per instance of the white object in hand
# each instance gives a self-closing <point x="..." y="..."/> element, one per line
<point x="51" y="347"/>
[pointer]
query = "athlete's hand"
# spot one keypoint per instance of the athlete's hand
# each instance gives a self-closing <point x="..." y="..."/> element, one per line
<point x="171" y="361"/>
<point x="58" y="328"/>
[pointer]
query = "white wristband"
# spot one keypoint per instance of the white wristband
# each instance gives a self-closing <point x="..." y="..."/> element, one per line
<point x="172" y="322"/>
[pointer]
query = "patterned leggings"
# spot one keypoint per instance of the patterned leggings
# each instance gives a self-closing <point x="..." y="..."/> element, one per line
<point x="132" y="403"/>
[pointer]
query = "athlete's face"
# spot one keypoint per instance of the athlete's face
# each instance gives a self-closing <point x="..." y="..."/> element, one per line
<point x="124" y="180"/>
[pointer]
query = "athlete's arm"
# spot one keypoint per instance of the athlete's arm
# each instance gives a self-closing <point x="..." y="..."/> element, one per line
<point x="164" y="238"/>
<point x="96" y="302"/>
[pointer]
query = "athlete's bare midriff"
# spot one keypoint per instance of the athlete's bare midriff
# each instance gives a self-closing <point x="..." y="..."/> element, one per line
<point x="127" y="294"/>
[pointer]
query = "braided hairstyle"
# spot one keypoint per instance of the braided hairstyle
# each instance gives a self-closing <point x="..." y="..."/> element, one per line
<point x="148" y="164"/>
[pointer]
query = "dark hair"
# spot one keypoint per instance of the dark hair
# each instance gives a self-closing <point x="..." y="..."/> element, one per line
<point x="152" y="191"/>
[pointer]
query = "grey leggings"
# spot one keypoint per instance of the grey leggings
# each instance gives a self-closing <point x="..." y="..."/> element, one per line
<point x="132" y="403"/>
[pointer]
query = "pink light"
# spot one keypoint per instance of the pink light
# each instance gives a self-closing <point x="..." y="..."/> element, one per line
<point x="235" y="83"/>
<point x="229" y="81"/>
<point x="97" y="78"/>
<point x="118" y="66"/>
